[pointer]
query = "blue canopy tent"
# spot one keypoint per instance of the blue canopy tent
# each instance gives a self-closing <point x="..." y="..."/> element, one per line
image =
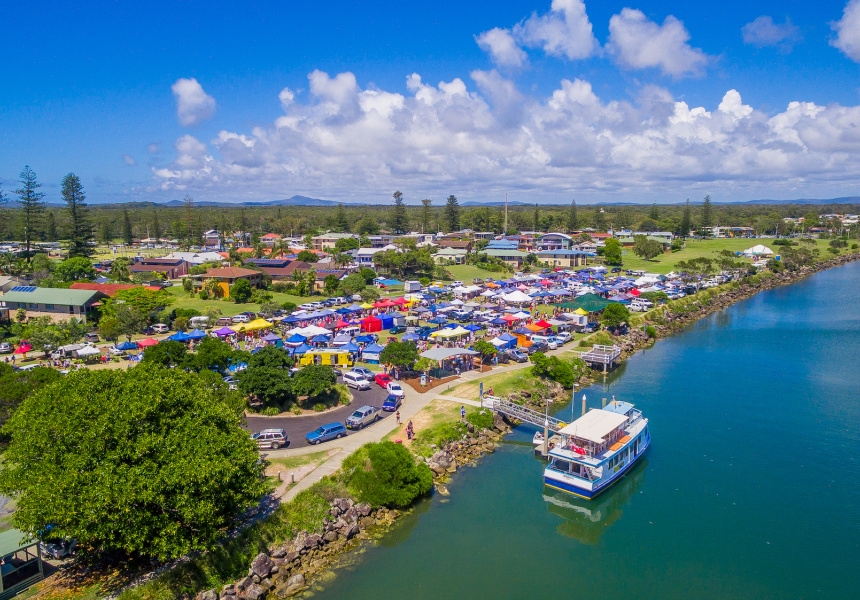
<point x="196" y="334"/>
<point x="291" y="319"/>
<point x="349" y="347"/>
<point x="127" y="346"/>
<point x="473" y="327"/>
<point x="320" y="339"/>
<point x="296" y="339"/>
<point x="179" y="336"/>
<point x="498" y="321"/>
<point x="507" y="337"/>
<point x="365" y="339"/>
<point x="410" y="337"/>
<point x="371" y="353"/>
<point x="440" y="320"/>
<point x="387" y="321"/>
<point x="301" y="349"/>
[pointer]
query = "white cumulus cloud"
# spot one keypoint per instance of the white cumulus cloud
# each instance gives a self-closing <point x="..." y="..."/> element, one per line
<point x="848" y="31"/>
<point x="193" y="105"/>
<point x="348" y="142"/>
<point x="502" y="47"/>
<point x="638" y="43"/>
<point x="564" y="31"/>
<point x="764" y="32"/>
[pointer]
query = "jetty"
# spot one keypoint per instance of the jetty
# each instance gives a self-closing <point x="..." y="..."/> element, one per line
<point x="600" y="356"/>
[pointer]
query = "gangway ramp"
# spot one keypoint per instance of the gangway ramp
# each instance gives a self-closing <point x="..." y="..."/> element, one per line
<point x="522" y="413"/>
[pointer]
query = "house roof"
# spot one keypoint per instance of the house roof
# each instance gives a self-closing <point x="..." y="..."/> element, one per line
<point x="61" y="296"/>
<point x="110" y="289"/>
<point x="452" y="252"/>
<point x="231" y="272"/>
<point x="147" y="268"/>
<point x="561" y="252"/>
<point x="270" y="236"/>
<point x="504" y="253"/>
<point x="454" y="243"/>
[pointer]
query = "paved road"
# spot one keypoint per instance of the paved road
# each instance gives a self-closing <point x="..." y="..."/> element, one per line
<point x="297" y="427"/>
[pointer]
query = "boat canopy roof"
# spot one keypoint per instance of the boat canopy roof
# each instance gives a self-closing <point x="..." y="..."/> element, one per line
<point x="595" y="425"/>
<point x="617" y="406"/>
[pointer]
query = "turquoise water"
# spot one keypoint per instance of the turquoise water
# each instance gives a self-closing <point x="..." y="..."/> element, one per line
<point x="751" y="487"/>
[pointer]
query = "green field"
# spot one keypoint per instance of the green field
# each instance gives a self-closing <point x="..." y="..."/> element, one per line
<point x="699" y="248"/>
<point x="468" y="273"/>
<point x="227" y="307"/>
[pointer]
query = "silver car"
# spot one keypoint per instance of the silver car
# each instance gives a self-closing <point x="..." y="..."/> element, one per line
<point x="363" y="416"/>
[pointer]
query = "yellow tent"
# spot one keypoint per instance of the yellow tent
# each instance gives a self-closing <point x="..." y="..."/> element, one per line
<point x="366" y="305"/>
<point x="580" y="312"/>
<point x="254" y="325"/>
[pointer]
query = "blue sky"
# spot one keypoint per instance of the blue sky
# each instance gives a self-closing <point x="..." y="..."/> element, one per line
<point x="601" y="101"/>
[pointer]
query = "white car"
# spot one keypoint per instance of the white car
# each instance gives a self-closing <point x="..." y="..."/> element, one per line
<point x="241" y="319"/>
<point x="160" y="328"/>
<point x="395" y="389"/>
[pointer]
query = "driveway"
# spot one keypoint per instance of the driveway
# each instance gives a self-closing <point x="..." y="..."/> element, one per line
<point x="297" y="427"/>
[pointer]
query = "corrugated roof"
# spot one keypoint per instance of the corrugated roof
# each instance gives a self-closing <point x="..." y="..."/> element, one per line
<point x="231" y="272"/>
<point x="106" y="288"/>
<point x="594" y="425"/>
<point x="61" y="296"/>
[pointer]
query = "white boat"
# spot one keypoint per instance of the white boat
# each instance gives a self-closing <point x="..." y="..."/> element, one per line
<point x="597" y="449"/>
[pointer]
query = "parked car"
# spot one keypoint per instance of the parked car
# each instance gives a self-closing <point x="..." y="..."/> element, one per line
<point x="241" y="319"/>
<point x="538" y="347"/>
<point x="395" y="389"/>
<point x="517" y="355"/>
<point x="564" y="336"/>
<point x="6" y="348"/>
<point x="397" y="329"/>
<point x="58" y="548"/>
<point x="553" y="342"/>
<point x="382" y="379"/>
<point x="270" y="438"/>
<point x="424" y="332"/>
<point x="364" y="372"/>
<point x="231" y="382"/>
<point x="160" y="328"/>
<point x="392" y="403"/>
<point x="363" y="416"/>
<point x="306" y="306"/>
<point x="356" y="381"/>
<point x="456" y="284"/>
<point x="91" y="337"/>
<point x="591" y="327"/>
<point x="324" y="433"/>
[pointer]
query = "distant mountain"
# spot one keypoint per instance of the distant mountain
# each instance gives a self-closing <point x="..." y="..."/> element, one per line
<point x="496" y="203"/>
<point x="844" y="200"/>
<point x="293" y="201"/>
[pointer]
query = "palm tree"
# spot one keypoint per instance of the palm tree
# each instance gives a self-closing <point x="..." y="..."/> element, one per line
<point x="213" y="288"/>
<point x="119" y="270"/>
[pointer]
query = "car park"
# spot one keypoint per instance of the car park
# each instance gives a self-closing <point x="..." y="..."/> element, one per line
<point x="356" y="381"/>
<point x="517" y="355"/>
<point x="392" y="403"/>
<point x="324" y="433"/>
<point x="395" y="389"/>
<point x="270" y="438"/>
<point x="382" y="379"/>
<point x="363" y="416"/>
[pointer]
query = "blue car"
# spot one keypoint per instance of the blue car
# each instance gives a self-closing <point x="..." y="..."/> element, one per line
<point x="324" y="433"/>
<point x="392" y="403"/>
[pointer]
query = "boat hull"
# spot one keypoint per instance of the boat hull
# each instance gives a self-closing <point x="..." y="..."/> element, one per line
<point x="559" y="481"/>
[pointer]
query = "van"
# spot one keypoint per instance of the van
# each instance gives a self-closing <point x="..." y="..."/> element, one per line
<point x="91" y="337"/>
<point x="222" y="321"/>
<point x="199" y="322"/>
<point x="356" y="381"/>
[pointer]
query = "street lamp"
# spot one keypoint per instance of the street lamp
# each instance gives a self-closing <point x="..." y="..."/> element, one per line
<point x="546" y="429"/>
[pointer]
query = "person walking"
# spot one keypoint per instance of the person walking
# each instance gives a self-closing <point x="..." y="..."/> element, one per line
<point x="397" y="416"/>
<point x="462" y="414"/>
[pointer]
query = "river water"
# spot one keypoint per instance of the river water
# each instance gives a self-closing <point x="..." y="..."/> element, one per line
<point x="751" y="487"/>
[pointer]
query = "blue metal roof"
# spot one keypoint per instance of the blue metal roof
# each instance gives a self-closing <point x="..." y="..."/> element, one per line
<point x="619" y="407"/>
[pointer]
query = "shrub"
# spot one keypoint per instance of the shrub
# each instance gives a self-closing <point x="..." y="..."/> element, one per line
<point x="481" y="419"/>
<point x="344" y="393"/>
<point x="438" y="436"/>
<point x="271" y="411"/>
<point x="385" y="474"/>
<point x="296" y="409"/>
<point x="319" y="407"/>
<point x="289" y="306"/>
<point x="203" y="295"/>
<point x="650" y="332"/>
<point x="855" y="246"/>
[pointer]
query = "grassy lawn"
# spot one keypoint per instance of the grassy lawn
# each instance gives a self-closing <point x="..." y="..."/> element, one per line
<point x="502" y="384"/>
<point x="468" y="273"/>
<point x="435" y="413"/>
<point x="228" y="308"/>
<point x="701" y="248"/>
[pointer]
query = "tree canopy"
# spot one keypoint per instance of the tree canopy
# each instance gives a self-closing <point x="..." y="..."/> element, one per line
<point x="76" y="268"/>
<point x="241" y="291"/>
<point x="146" y="462"/>
<point x="612" y="252"/>
<point x="614" y="315"/>
<point x="385" y="474"/>
<point x="646" y="248"/>
<point x="400" y="354"/>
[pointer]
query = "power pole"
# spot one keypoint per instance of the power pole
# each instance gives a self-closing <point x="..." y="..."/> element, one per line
<point x="505" y="231"/>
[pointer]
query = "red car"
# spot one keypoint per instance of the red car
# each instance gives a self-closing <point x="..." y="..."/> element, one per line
<point x="382" y="379"/>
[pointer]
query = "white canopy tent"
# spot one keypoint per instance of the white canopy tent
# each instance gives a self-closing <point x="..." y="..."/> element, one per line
<point x="758" y="250"/>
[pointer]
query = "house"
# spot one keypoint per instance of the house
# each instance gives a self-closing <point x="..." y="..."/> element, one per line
<point x="380" y="241"/>
<point x="171" y="268"/>
<point x="363" y="257"/>
<point x="227" y="276"/>
<point x="197" y="258"/>
<point x="212" y="239"/>
<point x="630" y="241"/>
<point x="7" y="283"/>
<point x="565" y="258"/>
<point x="320" y="276"/>
<point x="327" y="241"/>
<point x="514" y="258"/>
<point x="554" y="241"/>
<point x="108" y="289"/>
<point x="270" y="239"/>
<point x="58" y="303"/>
<point x="450" y="255"/>
<point x="284" y="269"/>
<point x="503" y="244"/>
<point x="455" y="244"/>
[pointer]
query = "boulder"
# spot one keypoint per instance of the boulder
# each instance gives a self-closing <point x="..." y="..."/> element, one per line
<point x="436" y="467"/>
<point x="313" y="541"/>
<point x="244" y="583"/>
<point x="262" y="565"/>
<point x="207" y="595"/>
<point x="280" y="551"/>
<point x="330" y="536"/>
<point x="292" y="586"/>
<point x="351" y="531"/>
<point x="442" y="458"/>
<point x="364" y="509"/>
<point x="254" y="592"/>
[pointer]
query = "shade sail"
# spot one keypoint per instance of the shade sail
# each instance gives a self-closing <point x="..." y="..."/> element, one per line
<point x="588" y="302"/>
<point x="446" y="353"/>
<point x="91" y="351"/>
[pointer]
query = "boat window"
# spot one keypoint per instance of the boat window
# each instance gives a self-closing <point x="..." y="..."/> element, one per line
<point x="562" y="465"/>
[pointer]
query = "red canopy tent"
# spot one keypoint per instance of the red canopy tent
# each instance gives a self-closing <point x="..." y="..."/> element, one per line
<point x="384" y="304"/>
<point x="634" y="292"/>
<point x="509" y="318"/>
<point x="400" y="301"/>
<point x="341" y="323"/>
<point x="546" y="282"/>
<point x="147" y="342"/>
<point x="543" y="324"/>
<point x="23" y="349"/>
<point x="371" y="324"/>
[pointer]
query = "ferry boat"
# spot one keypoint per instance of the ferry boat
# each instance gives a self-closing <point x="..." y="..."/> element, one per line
<point x="597" y="449"/>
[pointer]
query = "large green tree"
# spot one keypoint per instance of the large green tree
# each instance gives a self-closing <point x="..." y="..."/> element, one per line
<point x="314" y="380"/>
<point x="572" y="218"/>
<point x="399" y="354"/>
<point x="399" y="221"/>
<point x="32" y="207"/>
<point x="452" y="214"/>
<point x="686" y="220"/>
<point x="612" y="252"/>
<point x="645" y="248"/>
<point x="707" y="214"/>
<point x="16" y="386"/>
<point x="385" y="474"/>
<point x="145" y="462"/>
<point x="80" y="229"/>
<point x="76" y="268"/>
<point x="614" y="315"/>
<point x="425" y="214"/>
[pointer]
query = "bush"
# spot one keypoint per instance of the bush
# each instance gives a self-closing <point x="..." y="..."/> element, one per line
<point x="855" y="246"/>
<point x="385" y="474"/>
<point x="289" y="306"/>
<point x="271" y="411"/>
<point x="782" y="242"/>
<point x="438" y="436"/>
<point x="345" y="396"/>
<point x="203" y="295"/>
<point x="296" y="409"/>
<point x="319" y="407"/>
<point x="481" y="419"/>
<point x="650" y="332"/>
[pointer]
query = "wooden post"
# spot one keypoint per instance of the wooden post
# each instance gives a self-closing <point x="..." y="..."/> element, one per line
<point x="604" y="403"/>
<point x="583" y="404"/>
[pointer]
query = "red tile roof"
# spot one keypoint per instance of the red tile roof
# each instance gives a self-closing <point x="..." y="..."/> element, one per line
<point x="110" y="289"/>
<point x="231" y="272"/>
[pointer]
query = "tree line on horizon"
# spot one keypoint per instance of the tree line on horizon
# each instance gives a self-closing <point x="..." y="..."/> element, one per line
<point x="29" y="219"/>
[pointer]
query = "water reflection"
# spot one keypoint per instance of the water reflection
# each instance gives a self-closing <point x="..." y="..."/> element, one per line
<point x="587" y="520"/>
